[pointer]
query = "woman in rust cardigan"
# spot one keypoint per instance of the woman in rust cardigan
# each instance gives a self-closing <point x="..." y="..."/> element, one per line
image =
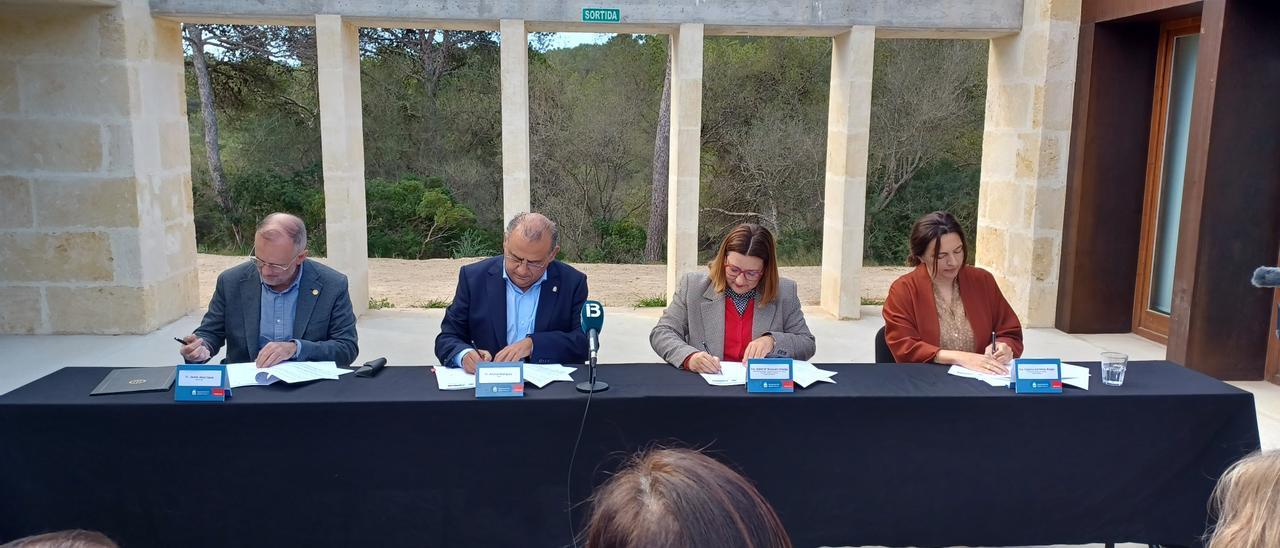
<point x="945" y="311"/>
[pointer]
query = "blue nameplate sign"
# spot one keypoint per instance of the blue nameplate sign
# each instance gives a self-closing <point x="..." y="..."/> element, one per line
<point x="201" y="383"/>
<point x="770" y="375"/>
<point x="1037" y="376"/>
<point x="499" y="380"/>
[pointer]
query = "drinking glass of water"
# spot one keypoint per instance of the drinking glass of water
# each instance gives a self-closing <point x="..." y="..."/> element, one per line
<point x="1113" y="366"/>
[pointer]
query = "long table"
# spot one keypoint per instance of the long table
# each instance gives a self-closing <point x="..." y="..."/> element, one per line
<point x="889" y="455"/>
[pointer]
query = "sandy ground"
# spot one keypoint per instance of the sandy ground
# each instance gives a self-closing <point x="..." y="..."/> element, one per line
<point x="408" y="283"/>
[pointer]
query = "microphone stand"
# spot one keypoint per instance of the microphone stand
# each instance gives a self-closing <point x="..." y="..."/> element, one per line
<point x="593" y="385"/>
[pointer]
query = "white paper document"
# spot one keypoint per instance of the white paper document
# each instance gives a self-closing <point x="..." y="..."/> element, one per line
<point x="805" y="374"/>
<point x="454" y="378"/>
<point x="539" y="374"/>
<point x="1072" y="375"/>
<point x="248" y="374"/>
<point x="731" y="374"/>
<point x="542" y="374"/>
<point x="735" y="374"/>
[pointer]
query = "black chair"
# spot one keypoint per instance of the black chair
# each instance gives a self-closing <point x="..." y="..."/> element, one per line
<point x="883" y="355"/>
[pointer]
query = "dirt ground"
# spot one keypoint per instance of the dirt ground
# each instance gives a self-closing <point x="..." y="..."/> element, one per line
<point x="407" y="283"/>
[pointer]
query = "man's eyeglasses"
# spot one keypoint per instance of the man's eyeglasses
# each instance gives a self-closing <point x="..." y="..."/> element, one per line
<point x="734" y="272"/>
<point x="534" y="266"/>
<point x="259" y="263"/>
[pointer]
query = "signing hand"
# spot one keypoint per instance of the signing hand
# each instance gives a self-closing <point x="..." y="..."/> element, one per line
<point x="759" y="348"/>
<point x="1001" y="353"/>
<point x="275" y="352"/>
<point x="194" y="350"/>
<point x="515" y="351"/>
<point x="702" y="362"/>
<point x="981" y="363"/>
<point x="470" y="360"/>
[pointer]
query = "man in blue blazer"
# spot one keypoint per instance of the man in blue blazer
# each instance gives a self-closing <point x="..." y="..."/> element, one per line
<point x="520" y="306"/>
<point x="277" y="306"/>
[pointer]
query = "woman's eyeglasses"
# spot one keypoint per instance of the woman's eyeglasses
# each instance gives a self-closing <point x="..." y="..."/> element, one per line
<point x="734" y="272"/>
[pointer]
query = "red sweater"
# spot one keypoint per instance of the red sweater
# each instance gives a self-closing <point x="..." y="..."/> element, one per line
<point x="737" y="330"/>
<point x="911" y="315"/>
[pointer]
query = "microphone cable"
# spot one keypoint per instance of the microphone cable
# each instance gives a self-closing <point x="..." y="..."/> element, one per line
<point x="573" y="456"/>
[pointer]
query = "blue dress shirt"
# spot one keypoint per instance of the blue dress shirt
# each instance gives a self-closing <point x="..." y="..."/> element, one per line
<point x="522" y="310"/>
<point x="277" y="313"/>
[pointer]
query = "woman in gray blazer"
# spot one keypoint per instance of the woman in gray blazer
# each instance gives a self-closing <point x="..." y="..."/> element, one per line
<point x="738" y="310"/>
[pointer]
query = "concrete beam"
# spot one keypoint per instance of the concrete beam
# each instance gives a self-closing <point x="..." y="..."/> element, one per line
<point x="683" y="177"/>
<point x="61" y="3"/>
<point x="848" y="131"/>
<point x="515" y="119"/>
<point x="822" y="17"/>
<point x="342" y="149"/>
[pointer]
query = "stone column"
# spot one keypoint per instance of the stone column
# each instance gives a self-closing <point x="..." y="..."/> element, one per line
<point x="515" y="118"/>
<point x="96" y="229"/>
<point x="686" y="143"/>
<point x="848" y="128"/>
<point x="1030" y="87"/>
<point x="342" y="146"/>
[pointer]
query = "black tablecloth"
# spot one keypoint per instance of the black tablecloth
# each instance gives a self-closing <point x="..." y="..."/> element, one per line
<point x="891" y="455"/>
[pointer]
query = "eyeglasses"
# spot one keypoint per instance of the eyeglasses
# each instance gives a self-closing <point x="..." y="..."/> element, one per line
<point x="258" y="263"/>
<point x="734" y="272"/>
<point x="534" y="266"/>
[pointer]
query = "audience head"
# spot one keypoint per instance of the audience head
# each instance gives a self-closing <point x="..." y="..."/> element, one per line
<point x="1247" y="504"/>
<point x="279" y="246"/>
<point x="938" y="242"/>
<point x="529" y="244"/>
<point x="746" y="261"/>
<point x="682" y="499"/>
<point x="75" y="538"/>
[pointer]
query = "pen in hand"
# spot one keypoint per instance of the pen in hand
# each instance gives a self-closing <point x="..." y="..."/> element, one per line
<point x="707" y="349"/>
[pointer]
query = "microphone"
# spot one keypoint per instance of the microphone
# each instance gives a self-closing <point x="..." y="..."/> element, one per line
<point x="592" y="324"/>
<point x="1266" y="276"/>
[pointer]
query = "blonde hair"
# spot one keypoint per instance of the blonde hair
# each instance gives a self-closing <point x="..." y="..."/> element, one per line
<point x="1247" y="503"/>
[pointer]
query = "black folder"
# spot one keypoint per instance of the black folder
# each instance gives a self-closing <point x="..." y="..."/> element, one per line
<point x="138" y="379"/>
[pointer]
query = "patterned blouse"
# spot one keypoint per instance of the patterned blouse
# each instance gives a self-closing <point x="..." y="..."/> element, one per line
<point x="740" y="300"/>
<point x="954" y="330"/>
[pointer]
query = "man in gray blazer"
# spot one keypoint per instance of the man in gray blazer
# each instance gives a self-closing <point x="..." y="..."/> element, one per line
<point x="278" y="306"/>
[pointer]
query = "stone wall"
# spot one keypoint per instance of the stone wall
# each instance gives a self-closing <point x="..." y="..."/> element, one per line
<point x="1030" y="87"/>
<point x="96" y="229"/>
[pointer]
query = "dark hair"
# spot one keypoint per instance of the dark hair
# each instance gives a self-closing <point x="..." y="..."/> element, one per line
<point x="684" y="499"/>
<point x="752" y="240"/>
<point x="930" y="229"/>
<point x="74" y="538"/>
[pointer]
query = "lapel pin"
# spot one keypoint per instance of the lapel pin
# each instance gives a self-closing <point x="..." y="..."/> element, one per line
<point x="315" y="291"/>
<point x="555" y="288"/>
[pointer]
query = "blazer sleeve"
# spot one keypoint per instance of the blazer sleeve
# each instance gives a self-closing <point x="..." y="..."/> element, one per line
<point x="1003" y="319"/>
<point x="670" y="338"/>
<point x="568" y="346"/>
<point x="342" y="344"/>
<point x="213" y="327"/>
<point x="794" y="340"/>
<point x="901" y="330"/>
<point x="455" y="328"/>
